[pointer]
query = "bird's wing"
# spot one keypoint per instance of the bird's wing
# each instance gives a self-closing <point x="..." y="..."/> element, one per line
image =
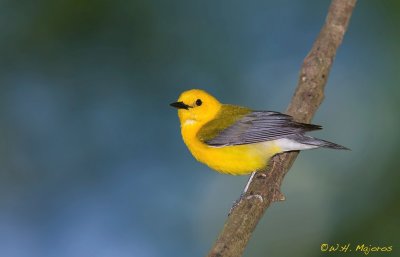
<point x="253" y="127"/>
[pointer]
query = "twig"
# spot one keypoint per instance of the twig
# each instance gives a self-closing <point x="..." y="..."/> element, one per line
<point x="265" y="187"/>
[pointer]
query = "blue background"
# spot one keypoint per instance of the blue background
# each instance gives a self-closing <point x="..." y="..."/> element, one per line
<point x="91" y="158"/>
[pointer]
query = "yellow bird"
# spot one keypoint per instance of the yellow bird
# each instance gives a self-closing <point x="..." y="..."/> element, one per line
<point x="237" y="140"/>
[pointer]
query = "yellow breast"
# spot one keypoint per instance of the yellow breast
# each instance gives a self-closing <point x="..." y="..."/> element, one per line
<point x="234" y="160"/>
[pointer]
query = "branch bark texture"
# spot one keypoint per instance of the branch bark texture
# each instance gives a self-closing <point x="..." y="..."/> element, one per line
<point x="265" y="187"/>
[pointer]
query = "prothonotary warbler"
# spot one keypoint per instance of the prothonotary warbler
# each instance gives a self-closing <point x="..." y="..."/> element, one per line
<point x="237" y="140"/>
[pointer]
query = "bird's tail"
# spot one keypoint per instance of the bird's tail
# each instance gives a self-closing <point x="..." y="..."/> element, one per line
<point x="312" y="141"/>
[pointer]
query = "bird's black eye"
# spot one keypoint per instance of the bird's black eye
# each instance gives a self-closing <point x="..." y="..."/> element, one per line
<point x="198" y="102"/>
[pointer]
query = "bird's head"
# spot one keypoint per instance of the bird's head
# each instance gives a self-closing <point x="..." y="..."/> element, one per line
<point x="196" y="106"/>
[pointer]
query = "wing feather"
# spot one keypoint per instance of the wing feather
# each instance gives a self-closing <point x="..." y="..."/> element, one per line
<point x="255" y="127"/>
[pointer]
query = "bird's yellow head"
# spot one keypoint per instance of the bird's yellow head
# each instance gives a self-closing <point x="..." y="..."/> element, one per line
<point x="196" y="106"/>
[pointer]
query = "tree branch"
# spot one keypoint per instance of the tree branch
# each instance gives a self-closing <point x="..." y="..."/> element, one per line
<point x="265" y="187"/>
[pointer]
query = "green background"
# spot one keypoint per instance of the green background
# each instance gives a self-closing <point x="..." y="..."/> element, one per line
<point x="91" y="158"/>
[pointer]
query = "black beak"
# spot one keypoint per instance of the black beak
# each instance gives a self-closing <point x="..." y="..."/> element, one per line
<point x="180" y="105"/>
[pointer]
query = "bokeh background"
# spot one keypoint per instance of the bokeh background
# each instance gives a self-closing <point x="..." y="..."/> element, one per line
<point x="91" y="158"/>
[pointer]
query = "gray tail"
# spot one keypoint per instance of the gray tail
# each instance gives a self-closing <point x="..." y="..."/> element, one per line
<point x="308" y="140"/>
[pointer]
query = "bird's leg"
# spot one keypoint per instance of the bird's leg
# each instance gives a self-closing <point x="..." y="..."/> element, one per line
<point x="235" y="203"/>
<point x="248" y="183"/>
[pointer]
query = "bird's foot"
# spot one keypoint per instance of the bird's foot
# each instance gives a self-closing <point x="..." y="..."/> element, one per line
<point x="259" y="197"/>
<point x="242" y="197"/>
<point x="236" y="203"/>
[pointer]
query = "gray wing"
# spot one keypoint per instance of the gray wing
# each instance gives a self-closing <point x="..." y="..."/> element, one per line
<point x="260" y="126"/>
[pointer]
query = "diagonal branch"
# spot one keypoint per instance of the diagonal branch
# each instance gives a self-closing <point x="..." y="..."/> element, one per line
<point x="265" y="187"/>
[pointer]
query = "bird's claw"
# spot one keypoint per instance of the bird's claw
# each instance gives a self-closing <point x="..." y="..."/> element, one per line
<point x="236" y="203"/>
<point x="259" y="197"/>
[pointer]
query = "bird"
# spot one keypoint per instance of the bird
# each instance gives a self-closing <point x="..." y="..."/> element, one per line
<point x="237" y="140"/>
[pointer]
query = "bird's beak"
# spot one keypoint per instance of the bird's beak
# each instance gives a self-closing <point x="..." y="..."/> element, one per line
<point x="180" y="105"/>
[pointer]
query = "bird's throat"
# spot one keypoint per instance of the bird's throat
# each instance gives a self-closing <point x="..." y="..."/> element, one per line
<point x="189" y="122"/>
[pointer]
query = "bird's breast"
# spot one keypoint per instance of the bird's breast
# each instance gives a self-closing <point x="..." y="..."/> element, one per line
<point x="235" y="160"/>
